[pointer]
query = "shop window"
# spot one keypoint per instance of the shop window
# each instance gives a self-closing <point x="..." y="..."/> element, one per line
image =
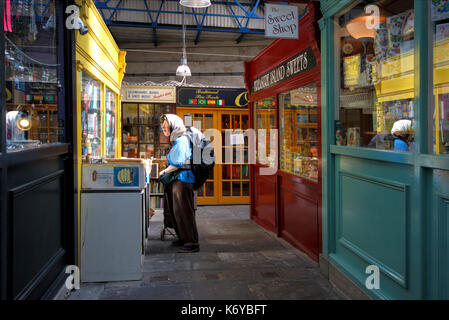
<point x="34" y="115"/>
<point x="110" y="105"/>
<point x="142" y="133"/>
<point x="265" y="119"/>
<point x="90" y="116"/>
<point x="299" y="132"/>
<point x="375" y="80"/>
<point x="440" y="120"/>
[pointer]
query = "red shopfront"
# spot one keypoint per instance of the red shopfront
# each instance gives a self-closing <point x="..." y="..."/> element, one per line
<point x="284" y="84"/>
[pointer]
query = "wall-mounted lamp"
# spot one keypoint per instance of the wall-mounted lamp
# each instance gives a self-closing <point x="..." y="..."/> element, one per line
<point x="195" y="3"/>
<point x="23" y="122"/>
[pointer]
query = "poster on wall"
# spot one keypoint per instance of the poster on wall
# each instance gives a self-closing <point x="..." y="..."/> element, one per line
<point x="441" y="31"/>
<point x="440" y="10"/>
<point x="188" y="120"/>
<point x="352" y="70"/>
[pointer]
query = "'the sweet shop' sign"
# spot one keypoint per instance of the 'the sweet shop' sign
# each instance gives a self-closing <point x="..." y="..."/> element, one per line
<point x="281" y="21"/>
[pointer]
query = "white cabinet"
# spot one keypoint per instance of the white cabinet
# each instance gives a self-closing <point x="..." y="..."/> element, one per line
<point x="112" y="226"/>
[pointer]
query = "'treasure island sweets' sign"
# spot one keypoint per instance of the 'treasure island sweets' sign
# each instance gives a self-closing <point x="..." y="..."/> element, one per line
<point x="302" y="62"/>
<point x="281" y="21"/>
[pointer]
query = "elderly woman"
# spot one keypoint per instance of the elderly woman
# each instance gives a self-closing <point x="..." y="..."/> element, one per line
<point x="179" y="194"/>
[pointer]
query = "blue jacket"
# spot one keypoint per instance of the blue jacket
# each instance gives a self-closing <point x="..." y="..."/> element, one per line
<point x="179" y="153"/>
<point x="400" y="145"/>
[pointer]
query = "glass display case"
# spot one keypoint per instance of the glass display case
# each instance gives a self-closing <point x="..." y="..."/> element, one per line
<point x="265" y="120"/>
<point x="299" y="132"/>
<point x="110" y="106"/>
<point x="142" y="134"/>
<point x="90" y="116"/>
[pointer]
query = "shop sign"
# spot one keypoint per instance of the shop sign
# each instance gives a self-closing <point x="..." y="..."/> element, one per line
<point x="151" y="94"/>
<point x="300" y="63"/>
<point x="212" y="97"/>
<point x="281" y="21"/>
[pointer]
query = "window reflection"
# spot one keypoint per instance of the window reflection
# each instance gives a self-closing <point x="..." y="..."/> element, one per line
<point x="440" y="125"/>
<point x="376" y="77"/>
<point x="33" y="116"/>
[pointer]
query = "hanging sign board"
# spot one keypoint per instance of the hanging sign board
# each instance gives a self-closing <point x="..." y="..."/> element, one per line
<point x="281" y="21"/>
<point x="212" y="97"/>
<point x="300" y="63"/>
<point x="150" y="94"/>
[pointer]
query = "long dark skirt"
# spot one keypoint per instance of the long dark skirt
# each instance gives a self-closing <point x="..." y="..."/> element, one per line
<point x="180" y="204"/>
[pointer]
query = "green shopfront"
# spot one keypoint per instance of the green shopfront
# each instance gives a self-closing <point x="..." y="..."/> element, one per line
<point x="385" y="136"/>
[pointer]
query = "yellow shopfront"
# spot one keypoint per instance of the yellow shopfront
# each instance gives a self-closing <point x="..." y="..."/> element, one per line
<point x="225" y="110"/>
<point x="100" y="67"/>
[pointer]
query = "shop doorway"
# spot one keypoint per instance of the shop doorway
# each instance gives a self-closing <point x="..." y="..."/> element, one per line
<point x="230" y="181"/>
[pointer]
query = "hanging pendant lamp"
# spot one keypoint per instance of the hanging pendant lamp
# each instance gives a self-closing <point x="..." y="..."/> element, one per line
<point x="183" y="70"/>
<point x="195" y="3"/>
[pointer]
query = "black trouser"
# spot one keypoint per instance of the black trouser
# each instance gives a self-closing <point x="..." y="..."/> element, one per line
<point x="181" y="206"/>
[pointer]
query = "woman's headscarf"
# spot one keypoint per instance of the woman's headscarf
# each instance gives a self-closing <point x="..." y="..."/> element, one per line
<point x="401" y="127"/>
<point x="176" y="124"/>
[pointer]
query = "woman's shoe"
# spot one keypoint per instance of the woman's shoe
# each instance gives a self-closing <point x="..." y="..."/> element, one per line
<point x="177" y="243"/>
<point x="186" y="249"/>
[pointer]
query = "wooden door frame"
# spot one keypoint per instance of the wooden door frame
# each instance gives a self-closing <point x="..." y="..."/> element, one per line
<point x="218" y="198"/>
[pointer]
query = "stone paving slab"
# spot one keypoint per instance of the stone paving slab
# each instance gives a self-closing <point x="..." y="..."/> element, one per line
<point x="238" y="260"/>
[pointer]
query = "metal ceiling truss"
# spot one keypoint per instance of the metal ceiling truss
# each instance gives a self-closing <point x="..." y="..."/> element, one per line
<point x="110" y="8"/>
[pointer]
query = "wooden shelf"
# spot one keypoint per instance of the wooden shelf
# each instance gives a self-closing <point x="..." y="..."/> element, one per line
<point x="32" y="105"/>
<point x="141" y="124"/>
<point x="307" y="125"/>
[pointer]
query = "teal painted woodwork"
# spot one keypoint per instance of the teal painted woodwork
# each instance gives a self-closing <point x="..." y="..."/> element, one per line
<point x="381" y="207"/>
<point x="361" y="222"/>
<point x="444" y="247"/>
<point x="438" y="230"/>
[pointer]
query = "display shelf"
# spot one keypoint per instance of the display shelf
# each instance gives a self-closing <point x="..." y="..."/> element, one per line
<point x="33" y="105"/>
<point x="43" y="121"/>
<point x="306" y="125"/>
<point x="141" y="120"/>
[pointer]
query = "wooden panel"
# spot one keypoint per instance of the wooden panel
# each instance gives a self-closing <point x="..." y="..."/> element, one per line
<point x="37" y="232"/>
<point x="365" y="204"/>
<point x="443" y="254"/>
<point x="265" y="200"/>
<point x="299" y="221"/>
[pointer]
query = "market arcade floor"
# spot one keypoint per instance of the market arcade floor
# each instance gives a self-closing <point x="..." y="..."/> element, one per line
<point x="238" y="260"/>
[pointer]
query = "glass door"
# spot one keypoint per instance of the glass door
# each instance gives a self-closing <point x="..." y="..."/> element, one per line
<point x="203" y="120"/>
<point x="234" y="172"/>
